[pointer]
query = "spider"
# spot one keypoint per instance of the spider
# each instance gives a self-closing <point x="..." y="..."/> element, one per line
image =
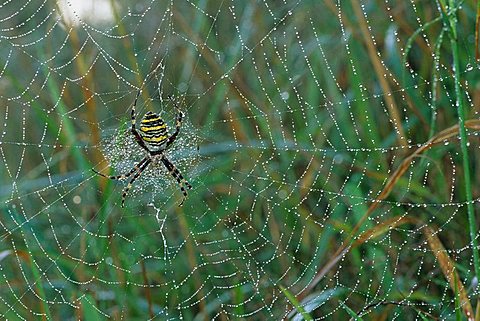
<point x="153" y="138"/>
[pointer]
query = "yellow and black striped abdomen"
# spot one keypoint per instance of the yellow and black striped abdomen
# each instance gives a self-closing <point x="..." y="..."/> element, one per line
<point x="154" y="129"/>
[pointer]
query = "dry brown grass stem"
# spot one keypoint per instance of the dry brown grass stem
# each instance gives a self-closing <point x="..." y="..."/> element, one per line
<point x="445" y="135"/>
<point x="148" y="295"/>
<point x="447" y="265"/>
<point x="381" y="72"/>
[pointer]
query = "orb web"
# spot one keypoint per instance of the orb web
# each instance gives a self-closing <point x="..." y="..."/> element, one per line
<point x="319" y="139"/>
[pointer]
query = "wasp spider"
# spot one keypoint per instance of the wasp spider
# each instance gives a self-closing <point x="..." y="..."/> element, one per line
<point x="154" y="139"/>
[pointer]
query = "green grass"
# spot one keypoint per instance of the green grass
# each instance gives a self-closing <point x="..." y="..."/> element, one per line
<point x="459" y="104"/>
<point x="297" y="141"/>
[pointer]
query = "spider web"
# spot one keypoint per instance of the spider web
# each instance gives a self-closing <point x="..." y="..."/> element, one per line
<point x="299" y="115"/>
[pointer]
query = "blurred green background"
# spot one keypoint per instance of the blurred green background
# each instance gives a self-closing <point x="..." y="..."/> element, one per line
<point x="329" y="174"/>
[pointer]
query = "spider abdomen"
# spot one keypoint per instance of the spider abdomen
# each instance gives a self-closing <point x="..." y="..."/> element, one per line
<point x="154" y="130"/>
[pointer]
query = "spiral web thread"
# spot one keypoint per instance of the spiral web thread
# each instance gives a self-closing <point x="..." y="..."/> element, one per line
<point x="284" y="156"/>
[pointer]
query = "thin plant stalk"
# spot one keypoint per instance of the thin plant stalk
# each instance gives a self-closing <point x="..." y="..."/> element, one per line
<point x="452" y="18"/>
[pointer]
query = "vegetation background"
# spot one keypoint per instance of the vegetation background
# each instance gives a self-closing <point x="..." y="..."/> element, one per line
<point x="332" y="147"/>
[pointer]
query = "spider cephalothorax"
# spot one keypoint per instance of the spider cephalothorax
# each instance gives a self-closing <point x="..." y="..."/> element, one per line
<point x="153" y="134"/>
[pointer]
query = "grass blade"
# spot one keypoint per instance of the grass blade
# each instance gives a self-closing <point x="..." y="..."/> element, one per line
<point x="90" y="311"/>
<point x="351" y="312"/>
<point x="463" y="140"/>
<point x="293" y="300"/>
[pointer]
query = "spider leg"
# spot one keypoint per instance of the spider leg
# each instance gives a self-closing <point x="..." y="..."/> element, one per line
<point x="178" y="176"/>
<point x="123" y="176"/>
<point x="178" y="124"/>
<point x="139" y="172"/>
<point x="138" y="137"/>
